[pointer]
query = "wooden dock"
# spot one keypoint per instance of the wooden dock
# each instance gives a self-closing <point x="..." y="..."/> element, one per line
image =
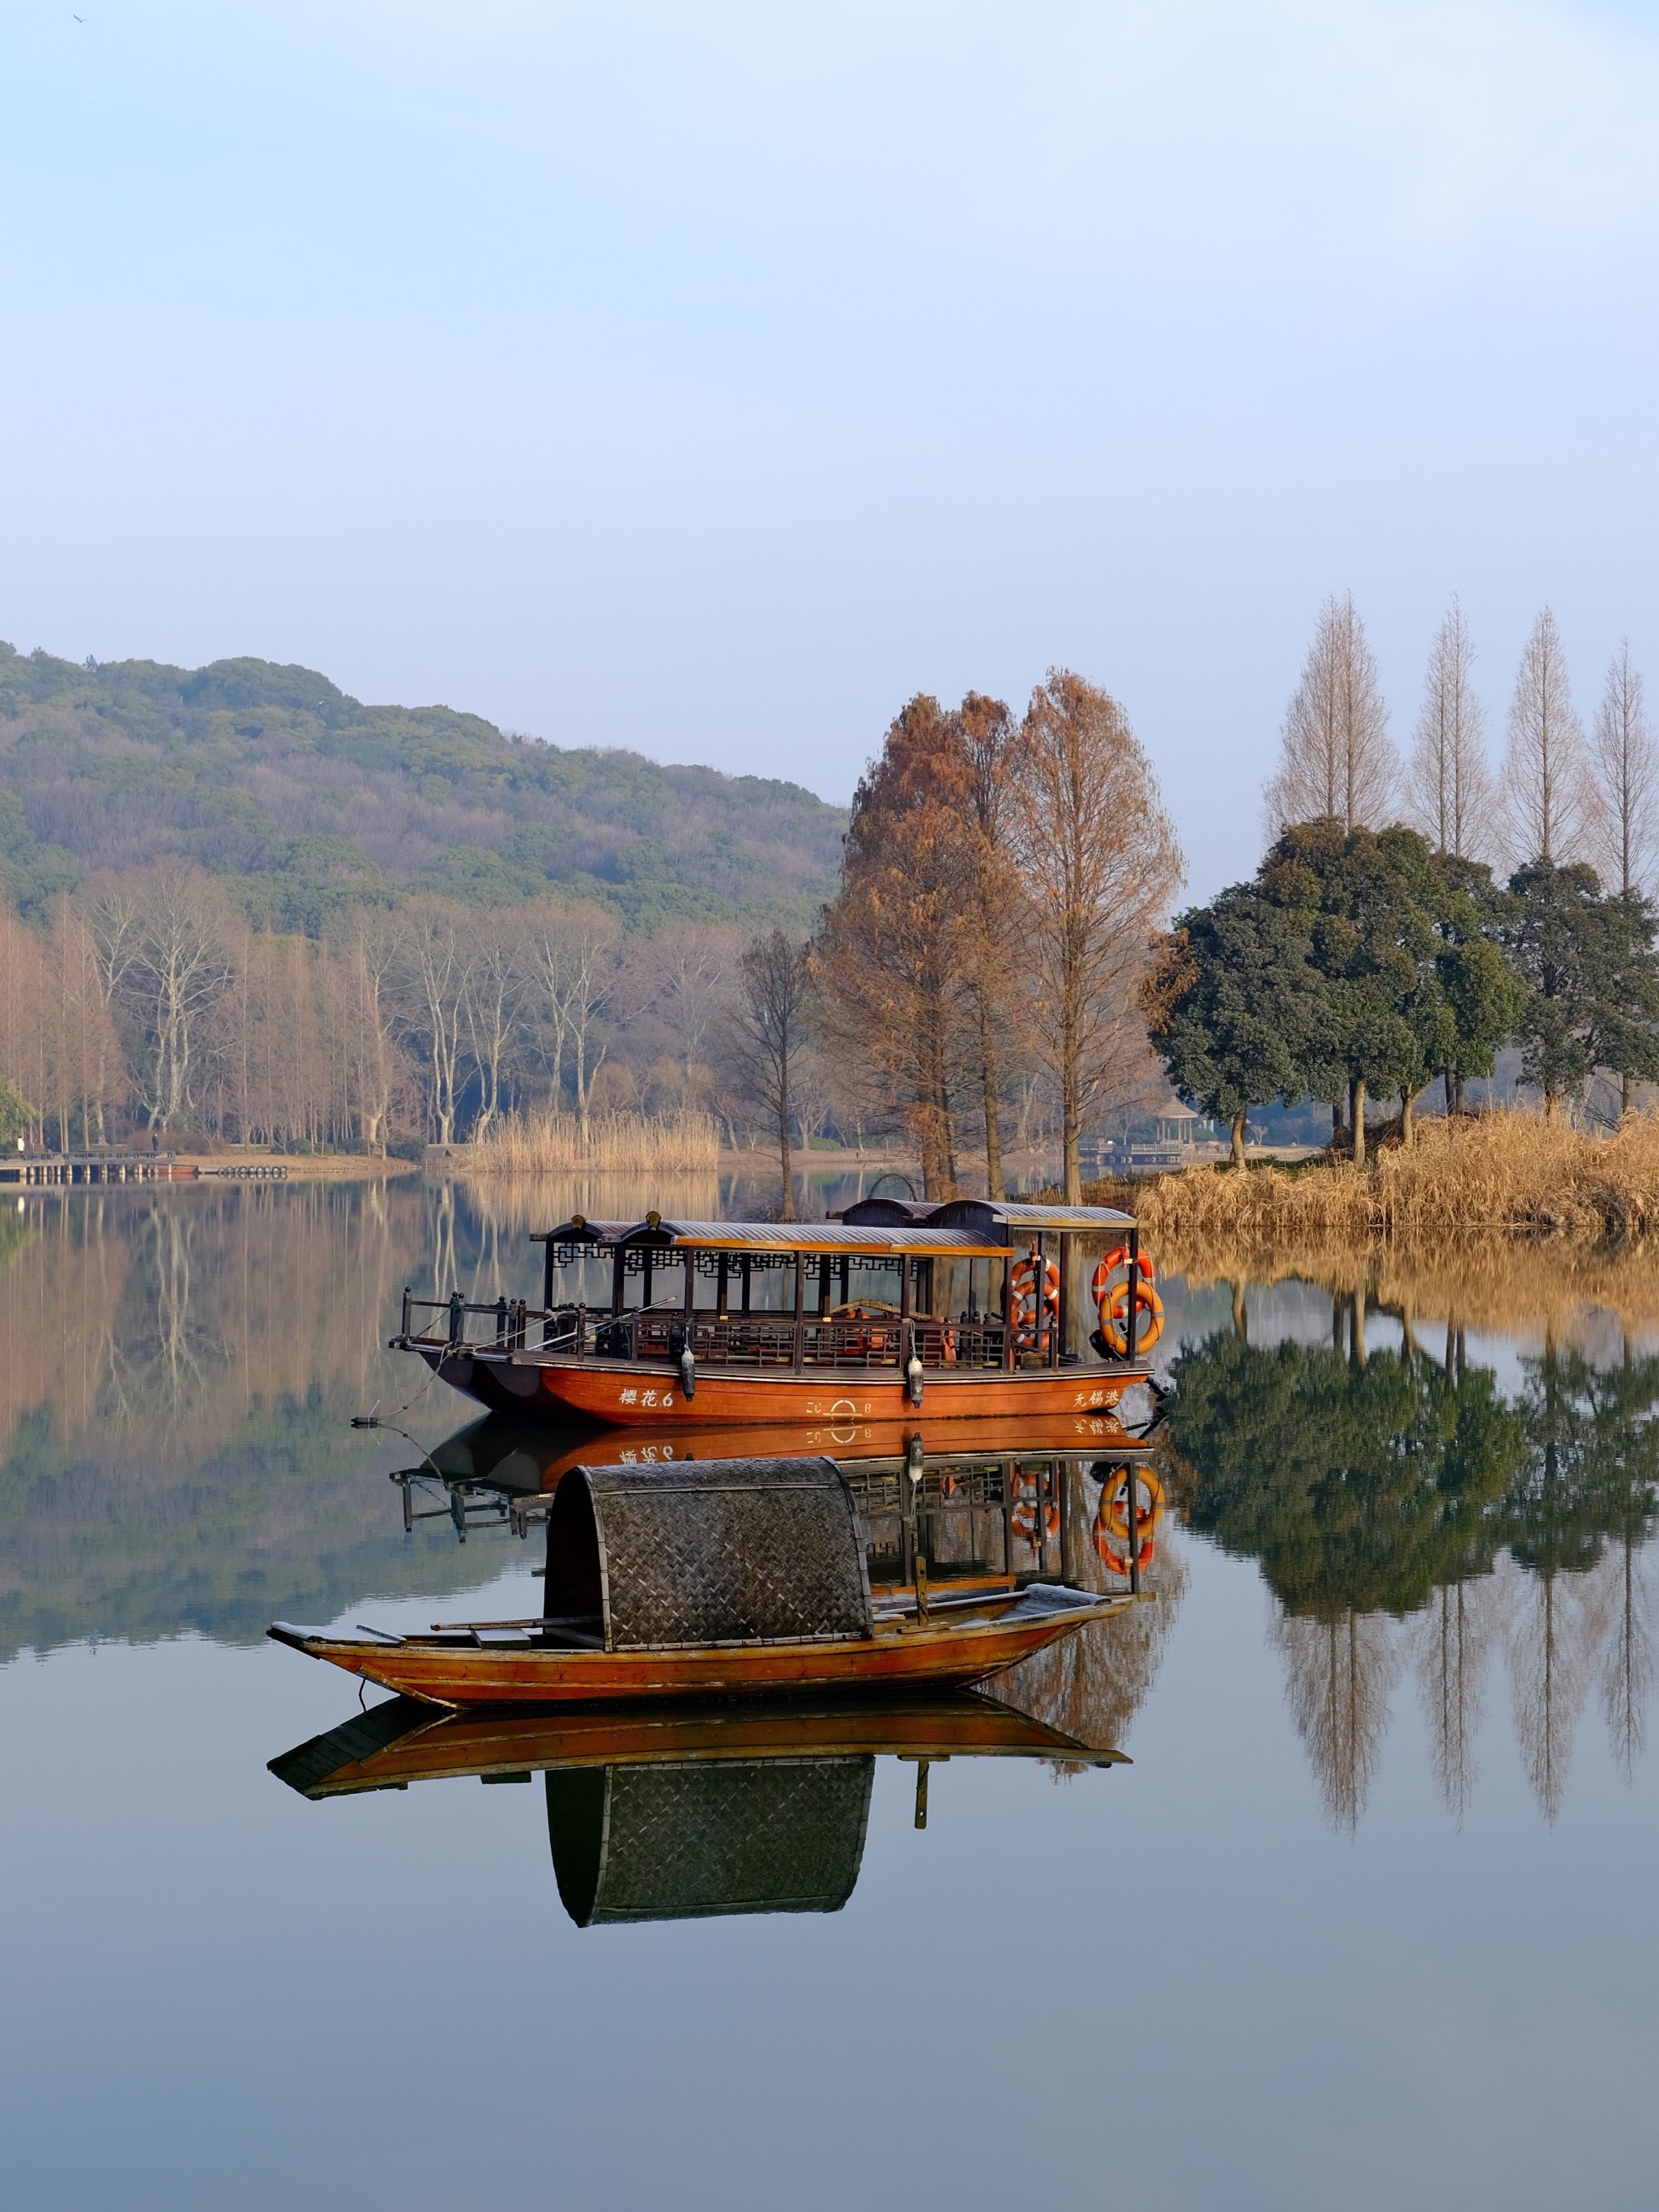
<point x="39" y="1168"/>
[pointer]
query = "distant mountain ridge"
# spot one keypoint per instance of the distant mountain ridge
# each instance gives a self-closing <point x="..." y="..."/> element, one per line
<point x="306" y="801"/>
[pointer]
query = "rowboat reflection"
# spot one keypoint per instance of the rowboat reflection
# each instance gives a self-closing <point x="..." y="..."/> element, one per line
<point x="661" y="1815"/>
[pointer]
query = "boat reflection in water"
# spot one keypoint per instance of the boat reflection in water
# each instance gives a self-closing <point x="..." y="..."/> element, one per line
<point x="685" y="1815"/>
<point x="1000" y="1508"/>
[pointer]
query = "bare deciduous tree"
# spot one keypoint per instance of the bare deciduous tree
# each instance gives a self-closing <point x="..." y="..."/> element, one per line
<point x="1449" y="783"/>
<point x="1099" y="864"/>
<point x="895" y="953"/>
<point x="688" y="979"/>
<point x="989" y="740"/>
<point x="768" y="1031"/>
<point x="434" y="980"/>
<point x="495" y="985"/>
<point x="182" y="964"/>
<point x="1627" y="772"/>
<point x="1549" y="798"/>
<point x="1335" y="758"/>
<point x="570" y="953"/>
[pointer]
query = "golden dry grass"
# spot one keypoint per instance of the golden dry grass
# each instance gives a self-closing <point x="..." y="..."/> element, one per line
<point x="1504" y="1222"/>
<point x="617" y="1144"/>
<point x="1503" y="1175"/>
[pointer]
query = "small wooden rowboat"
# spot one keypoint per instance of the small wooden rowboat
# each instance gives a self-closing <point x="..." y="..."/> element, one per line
<point x="967" y="1309"/>
<point x="720" y="1579"/>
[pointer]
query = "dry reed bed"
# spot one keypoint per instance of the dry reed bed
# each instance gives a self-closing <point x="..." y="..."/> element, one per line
<point x="616" y="1144"/>
<point x="1504" y="1222"/>
<point x="1502" y="1175"/>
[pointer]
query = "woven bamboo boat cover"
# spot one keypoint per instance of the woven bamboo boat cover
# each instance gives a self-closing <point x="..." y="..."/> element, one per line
<point x="724" y="1551"/>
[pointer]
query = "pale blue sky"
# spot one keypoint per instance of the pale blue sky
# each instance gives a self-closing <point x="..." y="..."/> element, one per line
<point x="710" y="379"/>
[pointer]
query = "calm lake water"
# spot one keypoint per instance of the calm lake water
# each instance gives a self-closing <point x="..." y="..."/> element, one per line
<point x="1368" y="1919"/>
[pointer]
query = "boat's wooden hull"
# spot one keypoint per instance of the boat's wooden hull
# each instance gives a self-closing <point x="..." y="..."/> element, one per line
<point x="893" y="1660"/>
<point x="644" y="1394"/>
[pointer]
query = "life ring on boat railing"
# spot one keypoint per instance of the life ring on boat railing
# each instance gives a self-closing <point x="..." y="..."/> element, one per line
<point x="1114" y="1318"/>
<point x="1029" y="1331"/>
<point x="1101" y="1288"/>
<point x="947" y="1343"/>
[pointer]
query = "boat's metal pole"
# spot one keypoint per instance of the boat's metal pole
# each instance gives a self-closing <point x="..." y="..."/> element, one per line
<point x="800" y="1309"/>
<point x="1134" y="1286"/>
<point x="547" y="1275"/>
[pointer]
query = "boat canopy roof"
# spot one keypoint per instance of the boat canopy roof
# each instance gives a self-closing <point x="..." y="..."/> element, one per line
<point x="1013" y="1216"/>
<point x="880" y="1228"/>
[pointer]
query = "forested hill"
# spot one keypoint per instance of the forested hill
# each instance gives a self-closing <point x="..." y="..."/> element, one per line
<point x="306" y="801"/>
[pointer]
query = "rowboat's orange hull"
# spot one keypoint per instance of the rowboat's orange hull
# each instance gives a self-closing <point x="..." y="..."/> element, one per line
<point x="892" y="1660"/>
<point x="640" y="1393"/>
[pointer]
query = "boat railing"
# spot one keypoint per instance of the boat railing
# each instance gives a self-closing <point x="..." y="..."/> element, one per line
<point x="508" y="1325"/>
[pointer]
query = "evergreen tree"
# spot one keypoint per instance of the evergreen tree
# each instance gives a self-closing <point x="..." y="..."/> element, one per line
<point x="1589" y="976"/>
<point x="1372" y="898"/>
<point x="1235" y="1009"/>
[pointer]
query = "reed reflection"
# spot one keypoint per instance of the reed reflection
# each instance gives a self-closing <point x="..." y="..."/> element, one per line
<point x="1404" y="1510"/>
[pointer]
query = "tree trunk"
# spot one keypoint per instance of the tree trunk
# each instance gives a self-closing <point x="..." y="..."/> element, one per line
<point x="1238" y="1141"/>
<point x="785" y="1161"/>
<point x="1552" y="1101"/>
<point x="1407" y="1103"/>
<point x="1626" y="1093"/>
<point x="1073" y="1157"/>
<point x="1451" y="1093"/>
<point x="987" y="1063"/>
<point x="1356" y="1117"/>
<point x="1240" y="1316"/>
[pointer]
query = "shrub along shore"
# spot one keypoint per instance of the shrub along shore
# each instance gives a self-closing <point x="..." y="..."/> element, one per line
<point x="1508" y="1174"/>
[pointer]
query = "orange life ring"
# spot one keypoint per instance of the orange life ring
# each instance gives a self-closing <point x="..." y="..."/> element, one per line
<point x="948" y="1345"/>
<point x="1025" y="1285"/>
<point x="1101" y="1287"/>
<point x="1149" y="1318"/>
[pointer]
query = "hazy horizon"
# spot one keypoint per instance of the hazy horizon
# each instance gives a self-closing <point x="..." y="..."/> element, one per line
<point x="708" y="384"/>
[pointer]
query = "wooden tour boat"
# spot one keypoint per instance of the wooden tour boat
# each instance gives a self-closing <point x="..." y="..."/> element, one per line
<point x="832" y="1323"/>
<point x="717" y="1578"/>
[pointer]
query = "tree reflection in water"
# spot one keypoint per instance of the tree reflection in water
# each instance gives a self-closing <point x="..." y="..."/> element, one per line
<point x="1401" y="1506"/>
